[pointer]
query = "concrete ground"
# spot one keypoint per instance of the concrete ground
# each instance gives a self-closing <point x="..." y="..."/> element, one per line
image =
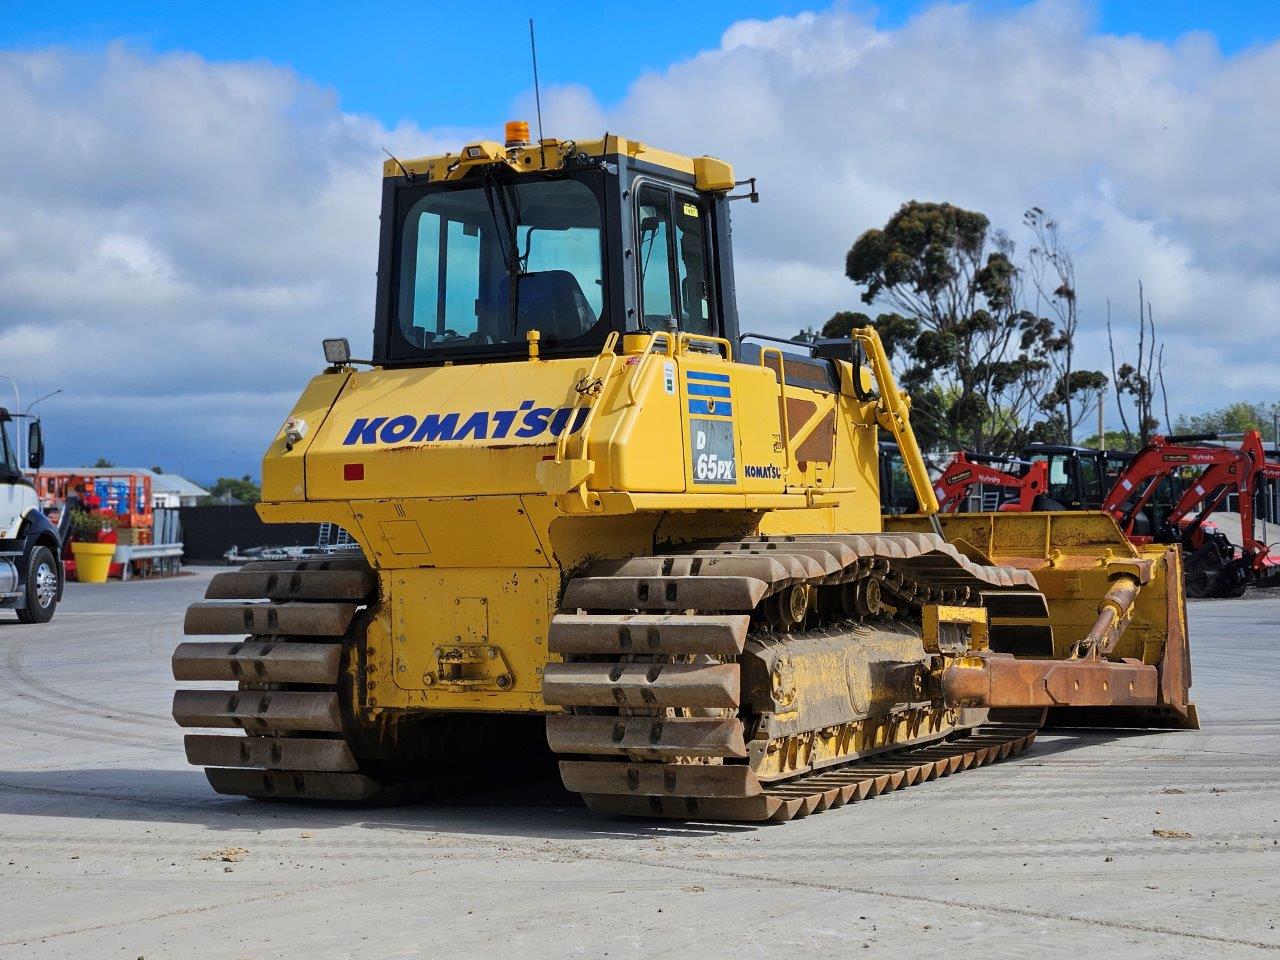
<point x="110" y="846"/>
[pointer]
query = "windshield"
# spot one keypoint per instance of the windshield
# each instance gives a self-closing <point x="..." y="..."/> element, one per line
<point x="464" y="249"/>
<point x="8" y="455"/>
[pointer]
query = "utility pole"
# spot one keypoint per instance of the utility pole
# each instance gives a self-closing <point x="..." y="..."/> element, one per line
<point x="1102" y="435"/>
<point x="31" y="406"/>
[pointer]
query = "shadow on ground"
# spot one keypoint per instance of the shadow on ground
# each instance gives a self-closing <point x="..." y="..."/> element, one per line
<point x="534" y="807"/>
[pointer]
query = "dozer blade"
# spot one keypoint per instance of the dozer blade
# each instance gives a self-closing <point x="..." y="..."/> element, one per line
<point x="295" y="585"/>
<point x="648" y="634"/>
<point x="276" y="753"/>
<point x="303" y="619"/>
<point x="651" y="737"/>
<point x="641" y="685"/>
<point x="258" y="710"/>
<point x="262" y="662"/>
<point x="665" y="593"/>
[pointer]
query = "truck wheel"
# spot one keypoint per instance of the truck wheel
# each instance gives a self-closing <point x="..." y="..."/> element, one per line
<point x="42" y="587"/>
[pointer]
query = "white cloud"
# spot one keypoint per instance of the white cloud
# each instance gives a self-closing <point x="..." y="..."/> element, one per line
<point x="177" y="235"/>
<point x="1158" y="160"/>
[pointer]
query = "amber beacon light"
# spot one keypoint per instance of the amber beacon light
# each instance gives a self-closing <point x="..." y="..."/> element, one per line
<point x="517" y="133"/>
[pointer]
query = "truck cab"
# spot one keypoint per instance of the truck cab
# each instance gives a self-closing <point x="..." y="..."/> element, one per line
<point x="31" y="576"/>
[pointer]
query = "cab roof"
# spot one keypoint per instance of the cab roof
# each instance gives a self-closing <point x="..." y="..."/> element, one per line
<point x="553" y="154"/>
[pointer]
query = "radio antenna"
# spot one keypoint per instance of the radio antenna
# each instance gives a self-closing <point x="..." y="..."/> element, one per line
<point x="537" y="94"/>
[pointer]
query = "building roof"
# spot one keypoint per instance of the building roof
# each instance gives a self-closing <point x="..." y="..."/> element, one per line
<point x="160" y="482"/>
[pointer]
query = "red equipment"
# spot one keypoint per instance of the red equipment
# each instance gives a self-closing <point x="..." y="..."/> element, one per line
<point x="121" y="503"/>
<point x="1212" y="563"/>
<point x="970" y="469"/>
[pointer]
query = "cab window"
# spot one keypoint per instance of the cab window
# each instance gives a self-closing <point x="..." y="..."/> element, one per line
<point x="672" y="260"/>
<point x="8" y="453"/>
<point x="1091" y="481"/>
<point x="1061" y="486"/>
<point x="655" y="259"/>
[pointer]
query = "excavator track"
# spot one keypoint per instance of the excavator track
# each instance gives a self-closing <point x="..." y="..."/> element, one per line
<point x="676" y="675"/>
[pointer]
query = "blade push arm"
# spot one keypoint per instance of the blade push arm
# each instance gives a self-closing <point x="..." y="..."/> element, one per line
<point x="893" y="415"/>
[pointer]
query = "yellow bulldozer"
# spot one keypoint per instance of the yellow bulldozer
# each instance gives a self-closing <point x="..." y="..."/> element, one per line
<point x="593" y="515"/>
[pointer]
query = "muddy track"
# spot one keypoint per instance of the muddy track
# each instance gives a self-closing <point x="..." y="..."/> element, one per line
<point x="668" y="714"/>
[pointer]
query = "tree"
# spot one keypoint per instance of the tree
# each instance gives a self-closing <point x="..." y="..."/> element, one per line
<point x="1233" y="418"/>
<point x="243" y="489"/>
<point x="102" y="463"/>
<point x="976" y="364"/>
<point x="1139" y="380"/>
<point x="1053" y="274"/>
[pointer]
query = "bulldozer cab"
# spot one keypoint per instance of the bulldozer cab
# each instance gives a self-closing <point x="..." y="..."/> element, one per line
<point x="565" y="242"/>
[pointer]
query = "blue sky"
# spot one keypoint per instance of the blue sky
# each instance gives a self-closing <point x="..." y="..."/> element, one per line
<point x="450" y="64"/>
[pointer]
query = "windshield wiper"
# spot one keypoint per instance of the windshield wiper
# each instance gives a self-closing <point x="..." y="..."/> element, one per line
<point x="495" y="194"/>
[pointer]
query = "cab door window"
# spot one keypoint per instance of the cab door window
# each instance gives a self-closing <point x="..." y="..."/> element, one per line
<point x="657" y="288"/>
<point x="672" y="260"/>
<point x="691" y="267"/>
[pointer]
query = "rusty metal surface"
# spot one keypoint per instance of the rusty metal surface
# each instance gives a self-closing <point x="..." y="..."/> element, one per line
<point x="292" y="585"/>
<point x="828" y="789"/>
<point x="1115" y="610"/>
<point x="660" y="779"/>
<point x="274" y="753"/>
<point x="823" y="678"/>
<point x="258" y="710"/>
<point x="665" y="593"/>
<point x="258" y="661"/>
<point x="650" y="737"/>
<point x="768" y="569"/>
<point x="815" y="697"/>
<point x="356" y="562"/>
<point x="648" y="633"/>
<point x="1000" y="681"/>
<point x="214" y="618"/>
<point x="641" y="684"/>
<point x="332" y="787"/>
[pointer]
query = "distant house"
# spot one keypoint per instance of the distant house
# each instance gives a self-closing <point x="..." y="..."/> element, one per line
<point x="167" y="489"/>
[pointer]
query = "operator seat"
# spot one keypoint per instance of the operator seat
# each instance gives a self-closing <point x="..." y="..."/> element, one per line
<point x="552" y="301"/>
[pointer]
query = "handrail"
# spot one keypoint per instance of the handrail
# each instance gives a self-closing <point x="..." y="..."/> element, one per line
<point x="684" y="339"/>
<point x="646" y="361"/>
<point x="562" y="442"/>
<point x="895" y="417"/>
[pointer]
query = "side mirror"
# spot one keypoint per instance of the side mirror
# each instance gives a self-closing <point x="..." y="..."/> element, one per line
<point x="35" y="446"/>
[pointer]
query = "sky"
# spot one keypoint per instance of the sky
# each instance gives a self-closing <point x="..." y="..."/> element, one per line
<point x="189" y="199"/>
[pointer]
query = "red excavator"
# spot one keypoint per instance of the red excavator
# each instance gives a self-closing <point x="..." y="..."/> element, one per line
<point x="1212" y="564"/>
<point x="967" y="470"/>
<point x="1143" y="493"/>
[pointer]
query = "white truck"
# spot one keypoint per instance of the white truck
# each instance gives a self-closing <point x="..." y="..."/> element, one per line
<point x="31" y="572"/>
